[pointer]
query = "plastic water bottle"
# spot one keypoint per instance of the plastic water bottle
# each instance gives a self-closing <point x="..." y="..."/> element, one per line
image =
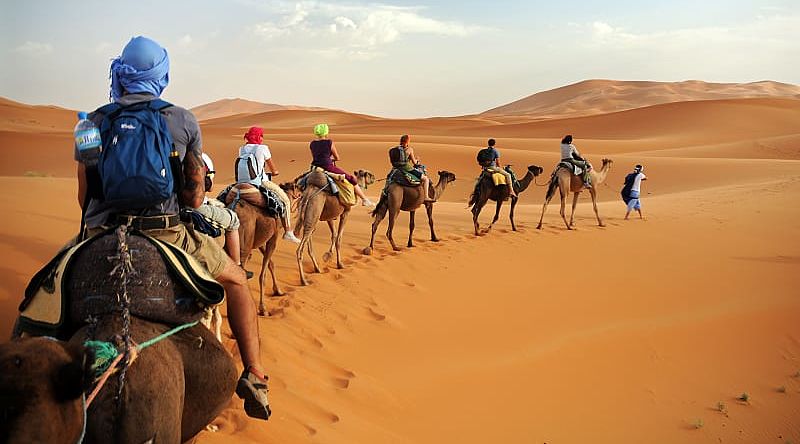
<point x="87" y="140"/>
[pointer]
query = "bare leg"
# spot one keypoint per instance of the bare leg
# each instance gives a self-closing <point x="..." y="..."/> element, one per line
<point x="242" y="315"/>
<point x="232" y="246"/>
<point x="426" y="187"/>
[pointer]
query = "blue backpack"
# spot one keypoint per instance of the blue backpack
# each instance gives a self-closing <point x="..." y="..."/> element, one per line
<point x="134" y="165"/>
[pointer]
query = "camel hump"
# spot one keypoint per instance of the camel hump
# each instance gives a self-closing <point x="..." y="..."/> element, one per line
<point x="155" y="291"/>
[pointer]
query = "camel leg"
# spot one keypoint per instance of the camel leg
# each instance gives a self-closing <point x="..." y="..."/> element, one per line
<point x="410" y="228"/>
<point x="593" y="192"/>
<point x="429" y="210"/>
<point x="339" y="233"/>
<point x="496" y="212"/>
<point x="310" y="246"/>
<point x="305" y="240"/>
<point x="268" y="251"/>
<point x="392" y="218"/>
<point x="377" y="218"/>
<point x="328" y="254"/>
<point x="511" y="214"/>
<point x="574" y="204"/>
<point x="476" y="212"/>
<point x="563" y="207"/>
<point x="544" y="208"/>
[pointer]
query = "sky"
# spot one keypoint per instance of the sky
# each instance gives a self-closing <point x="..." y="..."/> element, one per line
<point x="398" y="58"/>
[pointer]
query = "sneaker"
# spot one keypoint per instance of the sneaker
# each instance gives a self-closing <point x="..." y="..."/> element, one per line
<point x="289" y="236"/>
<point x="253" y="390"/>
<point x="367" y="203"/>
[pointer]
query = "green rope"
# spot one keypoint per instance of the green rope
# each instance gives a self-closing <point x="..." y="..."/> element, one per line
<point x="106" y="352"/>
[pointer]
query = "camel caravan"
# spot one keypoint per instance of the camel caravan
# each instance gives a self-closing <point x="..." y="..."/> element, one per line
<point x="114" y="342"/>
<point x="113" y="290"/>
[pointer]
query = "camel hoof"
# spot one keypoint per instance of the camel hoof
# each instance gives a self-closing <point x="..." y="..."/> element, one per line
<point x="278" y="293"/>
<point x="434" y="239"/>
<point x="410" y="245"/>
<point x="327" y="256"/>
<point x="367" y="251"/>
<point x="262" y="312"/>
<point x="397" y="249"/>
<point x="539" y="227"/>
<point x="602" y="225"/>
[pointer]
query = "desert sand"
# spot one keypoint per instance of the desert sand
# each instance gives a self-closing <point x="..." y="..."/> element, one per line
<point x="636" y="332"/>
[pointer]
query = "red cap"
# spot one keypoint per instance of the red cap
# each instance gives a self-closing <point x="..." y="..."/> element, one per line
<point x="254" y="135"/>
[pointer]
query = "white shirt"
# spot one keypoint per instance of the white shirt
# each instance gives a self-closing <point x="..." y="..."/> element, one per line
<point x="261" y="153"/>
<point x="567" y="149"/>
<point x="637" y="182"/>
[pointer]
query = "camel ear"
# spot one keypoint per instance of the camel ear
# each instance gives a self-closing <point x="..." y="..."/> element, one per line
<point x="74" y="378"/>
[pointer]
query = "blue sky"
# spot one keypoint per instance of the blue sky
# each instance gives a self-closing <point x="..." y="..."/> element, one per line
<point x="397" y="58"/>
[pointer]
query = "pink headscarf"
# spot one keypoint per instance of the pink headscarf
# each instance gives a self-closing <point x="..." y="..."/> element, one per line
<point x="254" y="135"/>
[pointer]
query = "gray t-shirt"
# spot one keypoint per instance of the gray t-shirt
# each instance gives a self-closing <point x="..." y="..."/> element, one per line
<point x="185" y="132"/>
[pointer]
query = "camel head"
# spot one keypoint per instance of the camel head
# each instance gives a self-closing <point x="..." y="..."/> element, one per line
<point x="535" y="170"/>
<point x="446" y="177"/>
<point x="367" y="175"/>
<point x="291" y="189"/>
<point x="607" y="163"/>
<point x="42" y="382"/>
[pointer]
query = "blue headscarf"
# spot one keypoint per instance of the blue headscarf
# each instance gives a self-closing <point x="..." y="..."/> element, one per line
<point x="143" y="67"/>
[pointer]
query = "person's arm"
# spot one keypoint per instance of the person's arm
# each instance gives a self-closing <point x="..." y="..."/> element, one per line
<point x="272" y="169"/>
<point x="193" y="180"/>
<point x="575" y="154"/>
<point x="644" y="177"/>
<point x="334" y="153"/>
<point x="412" y="156"/>
<point x="82" y="184"/>
<point x="497" y="159"/>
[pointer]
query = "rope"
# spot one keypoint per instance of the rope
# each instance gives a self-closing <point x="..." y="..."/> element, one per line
<point x="107" y="357"/>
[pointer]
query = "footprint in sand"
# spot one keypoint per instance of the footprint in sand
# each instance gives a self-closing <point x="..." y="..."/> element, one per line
<point x="375" y="315"/>
<point x="341" y="383"/>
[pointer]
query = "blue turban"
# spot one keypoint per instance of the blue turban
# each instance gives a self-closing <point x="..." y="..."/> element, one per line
<point x="143" y="67"/>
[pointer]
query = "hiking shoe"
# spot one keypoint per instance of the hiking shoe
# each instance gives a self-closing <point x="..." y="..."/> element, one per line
<point x="253" y="390"/>
<point x="367" y="203"/>
<point x="289" y="236"/>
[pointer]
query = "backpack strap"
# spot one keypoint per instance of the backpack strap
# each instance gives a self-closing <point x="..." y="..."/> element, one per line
<point x="158" y="104"/>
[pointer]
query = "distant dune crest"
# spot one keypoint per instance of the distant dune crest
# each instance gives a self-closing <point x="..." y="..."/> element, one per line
<point x="230" y="107"/>
<point x="604" y="96"/>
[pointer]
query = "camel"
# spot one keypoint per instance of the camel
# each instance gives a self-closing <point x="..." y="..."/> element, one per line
<point x="488" y="191"/>
<point x="398" y="198"/>
<point x="257" y="229"/>
<point x="317" y="204"/>
<point x="167" y="394"/>
<point x="566" y="182"/>
<point x="365" y="178"/>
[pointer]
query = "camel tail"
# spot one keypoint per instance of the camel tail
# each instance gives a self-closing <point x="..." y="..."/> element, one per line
<point x="551" y="189"/>
<point x="382" y="207"/>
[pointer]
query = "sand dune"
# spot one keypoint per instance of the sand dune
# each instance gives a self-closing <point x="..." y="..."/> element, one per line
<point x="604" y="96"/>
<point x="630" y="333"/>
<point x="230" y="107"/>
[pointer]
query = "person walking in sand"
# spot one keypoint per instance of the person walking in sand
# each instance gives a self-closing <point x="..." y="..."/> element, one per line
<point x="570" y="154"/>
<point x="255" y="173"/>
<point x="139" y="76"/>
<point x="324" y="154"/>
<point x="632" y="190"/>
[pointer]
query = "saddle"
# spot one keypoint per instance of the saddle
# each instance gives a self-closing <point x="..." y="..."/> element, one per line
<point x="335" y="184"/>
<point x="62" y="296"/>
<point x="257" y="196"/>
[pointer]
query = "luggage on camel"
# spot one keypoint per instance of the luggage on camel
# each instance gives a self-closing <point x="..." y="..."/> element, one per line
<point x="336" y="185"/>
<point x="258" y="196"/>
<point x="138" y="165"/>
<point x="60" y="297"/>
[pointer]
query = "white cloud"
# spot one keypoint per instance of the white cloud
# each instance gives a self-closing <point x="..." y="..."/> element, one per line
<point x="34" y="49"/>
<point x="356" y="31"/>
